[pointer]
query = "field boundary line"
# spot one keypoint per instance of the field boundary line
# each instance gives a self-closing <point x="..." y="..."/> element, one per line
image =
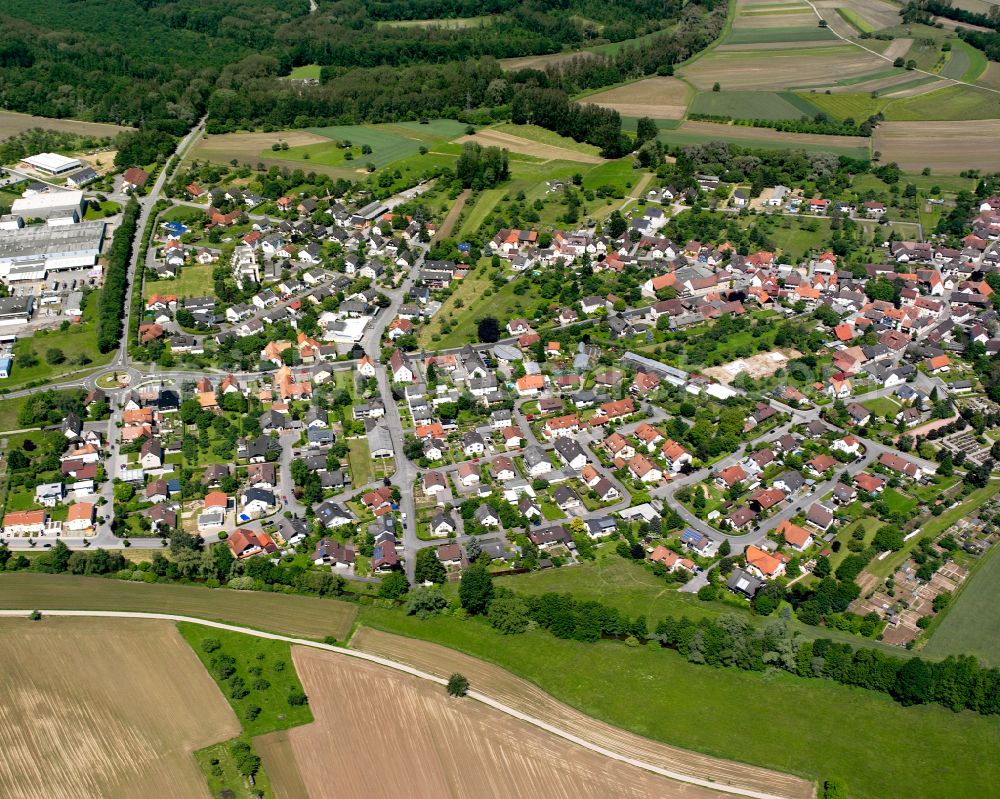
<point x="402" y="667"/>
<point x="956" y="81"/>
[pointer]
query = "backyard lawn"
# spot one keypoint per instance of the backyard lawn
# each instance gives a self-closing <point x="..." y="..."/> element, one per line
<point x="361" y="461"/>
<point x="897" y="502"/>
<point x="882" y="406"/>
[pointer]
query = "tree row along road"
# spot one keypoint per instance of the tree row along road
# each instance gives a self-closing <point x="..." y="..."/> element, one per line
<point x="405" y="669"/>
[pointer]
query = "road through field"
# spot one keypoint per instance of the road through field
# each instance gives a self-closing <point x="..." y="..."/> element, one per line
<point x="516" y="713"/>
<point x="890" y="60"/>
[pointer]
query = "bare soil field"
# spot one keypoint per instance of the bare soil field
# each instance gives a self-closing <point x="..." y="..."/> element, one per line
<point x="309" y="617"/>
<point x="781" y="69"/>
<point x="516" y="144"/>
<point x="659" y="98"/>
<point x="104" y="709"/>
<point x="253" y="148"/>
<point x="949" y="147"/>
<point x="898" y="48"/>
<point x="528" y="698"/>
<point x="430" y="745"/>
<point x="278" y="756"/>
<point x="738" y="132"/>
<point x="12" y="123"/>
<point x="763" y="364"/>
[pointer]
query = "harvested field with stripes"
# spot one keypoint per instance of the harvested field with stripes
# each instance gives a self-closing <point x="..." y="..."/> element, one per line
<point x="528" y="698"/>
<point x="658" y="98"/>
<point x="104" y="708"/>
<point x="947" y="147"/>
<point x="443" y="747"/>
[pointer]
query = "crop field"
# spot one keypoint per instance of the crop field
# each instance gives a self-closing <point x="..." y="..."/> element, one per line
<point x="520" y="143"/>
<point x="12" y="123"/>
<point x="876" y="14"/>
<point x="749" y="69"/>
<point x="435" y="739"/>
<point x="815" y="728"/>
<point x="278" y="757"/>
<point x="966" y="62"/>
<point x="856" y="22"/>
<point x="972" y="624"/>
<point x="957" y="103"/>
<point x="754" y="105"/>
<point x="700" y="132"/>
<point x="111" y="708"/>
<point x="308" y="617"/>
<point x="784" y="31"/>
<point x="853" y="105"/>
<point x="942" y="146"/>
<point x="386" y="147"/>
<point x="991" y="77"/>
<point x="658" y="98"/>
<point x="914" y="88"/>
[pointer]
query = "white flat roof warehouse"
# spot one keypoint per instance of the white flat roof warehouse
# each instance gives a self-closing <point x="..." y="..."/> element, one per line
<point x="53" y="163"/>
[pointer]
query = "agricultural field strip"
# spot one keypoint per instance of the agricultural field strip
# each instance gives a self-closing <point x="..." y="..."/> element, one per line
<point x="885" y="58"/>
<point x="401" y="667"/>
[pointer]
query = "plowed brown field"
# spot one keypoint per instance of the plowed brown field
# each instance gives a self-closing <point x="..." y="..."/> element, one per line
<point x="104" y="709"/>
<point x="403" y="736"/>
<point x="529" y="698"/>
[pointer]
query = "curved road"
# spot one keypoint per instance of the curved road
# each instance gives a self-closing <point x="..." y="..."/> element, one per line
<point x="402" y="667"/>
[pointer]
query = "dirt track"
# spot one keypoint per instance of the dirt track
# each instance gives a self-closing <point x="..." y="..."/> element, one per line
<point x="528" y="698"/>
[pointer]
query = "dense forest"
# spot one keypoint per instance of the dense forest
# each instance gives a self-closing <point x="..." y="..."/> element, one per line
<point x="155" y="63"/>
<point x="161" y="64"/>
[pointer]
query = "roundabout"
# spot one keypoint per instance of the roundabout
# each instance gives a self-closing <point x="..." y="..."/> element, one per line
<point x="116" y="379"/>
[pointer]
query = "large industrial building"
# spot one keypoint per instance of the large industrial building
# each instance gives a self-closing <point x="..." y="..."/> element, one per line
<point x="51" y="163"/>
<point x="29" y="253"/>
<point x="55" y="205"/>
<point x="15" y="310"/>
